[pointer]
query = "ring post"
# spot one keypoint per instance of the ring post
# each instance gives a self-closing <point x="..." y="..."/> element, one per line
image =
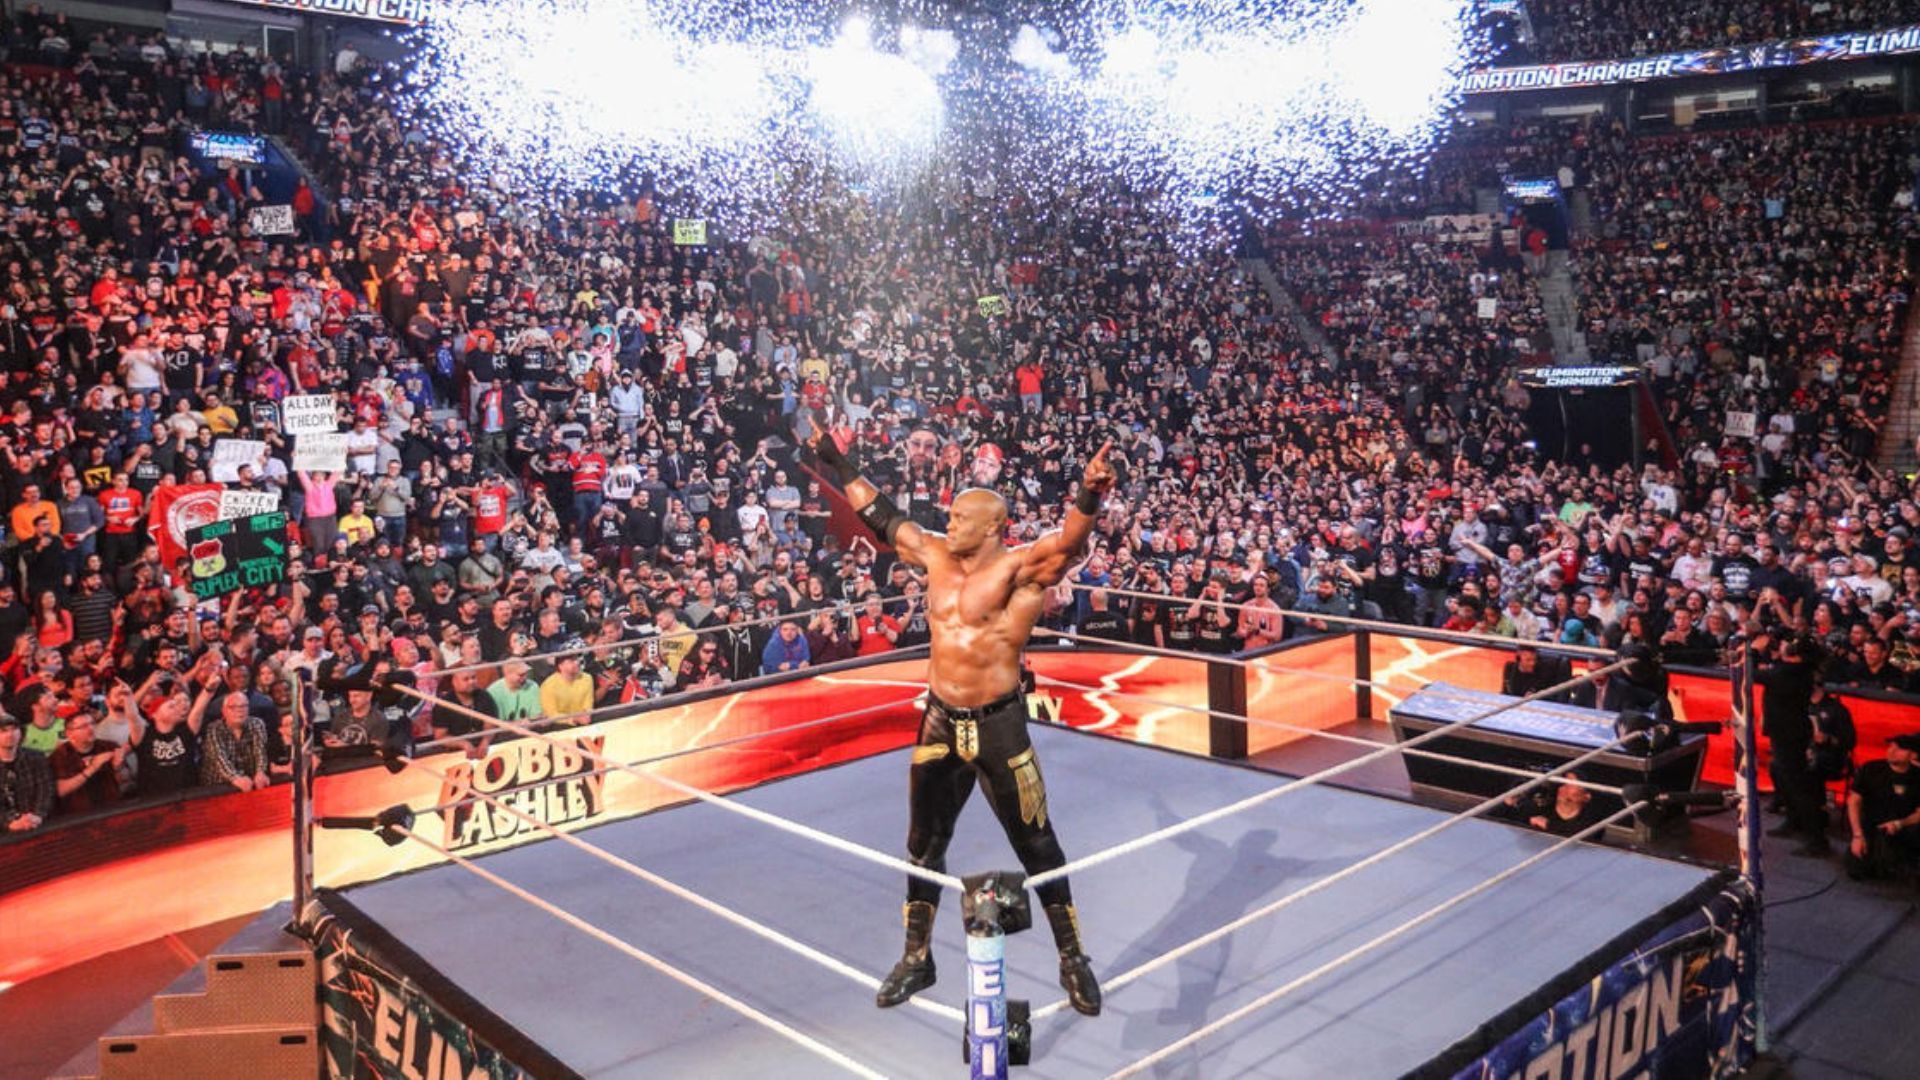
<point x="1747" y="787"/>
<point x="1363" y="673"/>
<point x="302" y="799"/>
<point x="1226" y="693"/>
<point x="999" y="1032"/>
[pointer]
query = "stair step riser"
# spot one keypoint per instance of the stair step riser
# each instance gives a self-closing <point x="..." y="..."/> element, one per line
<point x="258" y="989"/>
<point x="212" y="1055"/>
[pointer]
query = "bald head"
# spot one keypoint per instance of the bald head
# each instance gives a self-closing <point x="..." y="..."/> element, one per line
<point x="982" y="501"/>
<point x="976" y="517"/>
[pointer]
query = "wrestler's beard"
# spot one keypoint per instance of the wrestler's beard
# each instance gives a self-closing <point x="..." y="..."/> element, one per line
<point x="969" y="544"/>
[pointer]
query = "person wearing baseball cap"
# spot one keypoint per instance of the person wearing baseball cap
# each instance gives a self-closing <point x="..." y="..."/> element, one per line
<point x="1883" y="813"/>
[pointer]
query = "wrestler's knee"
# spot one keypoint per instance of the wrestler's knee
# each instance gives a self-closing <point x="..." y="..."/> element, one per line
<point x="927" y="848"/>
<point x="1038" y="850"/>
<point x="1039" y="853"/>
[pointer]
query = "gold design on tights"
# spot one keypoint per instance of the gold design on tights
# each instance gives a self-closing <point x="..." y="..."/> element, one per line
<point x="1033" y="789"/>
<point x="966" y="739"/>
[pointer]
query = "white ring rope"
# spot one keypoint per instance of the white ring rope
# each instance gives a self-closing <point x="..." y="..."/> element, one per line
<point x="838" y="608"/>
<point x="685" y="751"/>
<point x="1461" y="636"/>
<point x="1260" y="664"/>
<point x="1302" y="729"/>
<point x="712" y="907"/>
<point x="651" y="704"/>
<point x="1361" y="950"/>
<point x="844" y="606"/>
<point x="731" y="806"/>
<point x="1150" y="966"/>
<point x="691" y="982"/>
<point x="1310" y="780"/>
<point x="585" y="716"/>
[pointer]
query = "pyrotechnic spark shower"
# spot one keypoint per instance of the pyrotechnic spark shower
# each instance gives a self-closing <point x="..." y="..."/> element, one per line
<point x="1279" y="102"/>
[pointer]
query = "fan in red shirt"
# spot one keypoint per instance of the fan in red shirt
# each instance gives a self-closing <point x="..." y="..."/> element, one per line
<point x="589" y="481"/>
<point x="1464" y="617"/>
<point x="125" y="510"/>
<point x="876" y="631"/>
<point x="305" y="365"/>
<point x="304" y="203"/>
<point x="105" y="291"/>
<point x="490" y="505"/>
<point x="1028" y="378"/>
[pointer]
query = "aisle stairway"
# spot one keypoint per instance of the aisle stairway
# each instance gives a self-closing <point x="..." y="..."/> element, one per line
<point x="1897" y="436"/>
<point x="1562" y="308"/>
<point x="249" y="1011"/>
<point x="1286" y="307"/>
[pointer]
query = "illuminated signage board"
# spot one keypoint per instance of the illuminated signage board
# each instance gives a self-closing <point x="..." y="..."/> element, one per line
<point x="1532" y="190"/>
<point x="1728" y="61"/>
<point x="1572" y="378"/>
<point x="229" y="146"/>
<point x="404" y="12"/>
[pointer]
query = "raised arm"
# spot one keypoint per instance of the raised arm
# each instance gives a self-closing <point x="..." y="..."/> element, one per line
<point x="1045" y="561"/>
<point x="912" y="543"/>
<point x="197" y="715"/>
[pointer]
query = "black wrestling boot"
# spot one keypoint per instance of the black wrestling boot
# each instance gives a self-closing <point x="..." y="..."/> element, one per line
<point x="1076" y="971"/>
<point x="914" y="972"/>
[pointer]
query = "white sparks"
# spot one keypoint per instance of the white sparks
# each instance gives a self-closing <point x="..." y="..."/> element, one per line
<point x="1205" y="104"/>
<point x="878" y="112"/>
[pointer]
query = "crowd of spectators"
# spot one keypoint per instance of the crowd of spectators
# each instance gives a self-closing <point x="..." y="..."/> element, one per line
<point x="1742" y="284"/>
<point x="1615" y="29"/>
<point x="567" y="430"/>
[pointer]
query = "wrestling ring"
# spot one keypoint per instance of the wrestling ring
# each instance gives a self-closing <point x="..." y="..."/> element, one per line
<point x="1242" y="922"/>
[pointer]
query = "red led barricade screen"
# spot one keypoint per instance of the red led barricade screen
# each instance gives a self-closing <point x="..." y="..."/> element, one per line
<point x="219" y="857"/>
<point x="1306" y="685"/>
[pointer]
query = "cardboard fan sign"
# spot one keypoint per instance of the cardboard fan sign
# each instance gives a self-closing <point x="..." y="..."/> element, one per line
<point x="309" y="414"/>
<point x="228" y="556"/>
<point x="271" y="220"/>
<point x="177" y="509"/>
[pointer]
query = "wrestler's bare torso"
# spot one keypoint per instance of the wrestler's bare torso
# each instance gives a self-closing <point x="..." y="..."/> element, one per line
<point x="982" y="596"/>
<point x="978" y="620"/>
<point x="982" y="599"/>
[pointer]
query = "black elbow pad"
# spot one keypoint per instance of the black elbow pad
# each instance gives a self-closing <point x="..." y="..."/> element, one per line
<point x="882" y="517"/>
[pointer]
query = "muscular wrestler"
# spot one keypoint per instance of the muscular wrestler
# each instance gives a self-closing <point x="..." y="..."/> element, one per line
<point x="982" y="600"/>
